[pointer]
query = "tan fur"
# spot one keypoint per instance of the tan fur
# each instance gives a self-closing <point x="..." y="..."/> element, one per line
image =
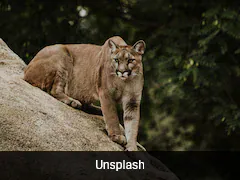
<point x="80" y="74"/>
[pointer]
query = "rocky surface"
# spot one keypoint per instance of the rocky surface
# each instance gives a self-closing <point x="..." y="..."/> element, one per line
<point x="32" y="120"/>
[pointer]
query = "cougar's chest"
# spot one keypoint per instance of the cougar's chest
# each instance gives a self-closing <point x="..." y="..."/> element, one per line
<point x="120" y="90"/>
<point x="116" y="93"/>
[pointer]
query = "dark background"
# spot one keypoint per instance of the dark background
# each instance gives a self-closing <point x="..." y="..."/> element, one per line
<point x="191" y="95"/>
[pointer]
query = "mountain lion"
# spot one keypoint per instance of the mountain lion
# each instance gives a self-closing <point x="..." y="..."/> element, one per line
<point x="79" y="74"/>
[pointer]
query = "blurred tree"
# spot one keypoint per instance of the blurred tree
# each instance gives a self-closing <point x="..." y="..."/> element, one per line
<point x="190" y="98"/>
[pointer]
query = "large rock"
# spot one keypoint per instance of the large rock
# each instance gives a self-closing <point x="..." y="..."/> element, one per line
<point x="32" y="120"/>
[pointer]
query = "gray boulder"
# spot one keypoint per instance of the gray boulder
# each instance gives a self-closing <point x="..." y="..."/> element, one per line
<point x="32" y="120"/>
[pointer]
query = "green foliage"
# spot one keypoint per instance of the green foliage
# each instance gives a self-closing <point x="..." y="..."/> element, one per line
<point x="191" y="94"/>
<point x="195" y="82"/>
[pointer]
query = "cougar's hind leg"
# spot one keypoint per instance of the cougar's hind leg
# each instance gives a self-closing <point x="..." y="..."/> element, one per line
<point x="58" y="90"/>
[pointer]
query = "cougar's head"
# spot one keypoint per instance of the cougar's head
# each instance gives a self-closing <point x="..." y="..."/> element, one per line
<point x="127" y="60"/>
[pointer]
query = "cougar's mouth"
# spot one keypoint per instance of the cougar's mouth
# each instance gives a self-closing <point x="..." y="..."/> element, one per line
<point x="123" y="75"/>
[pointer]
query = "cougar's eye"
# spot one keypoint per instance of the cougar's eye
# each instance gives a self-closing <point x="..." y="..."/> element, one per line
<point x="130" y="60"/>
<point x="116" y="60"/>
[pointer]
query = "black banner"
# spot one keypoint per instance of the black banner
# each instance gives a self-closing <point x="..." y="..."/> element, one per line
<point x="119" y="165"/>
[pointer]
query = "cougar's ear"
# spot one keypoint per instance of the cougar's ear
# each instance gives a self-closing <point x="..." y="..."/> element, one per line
<point x="139" y="47"/>
<point x="112" y="45"/>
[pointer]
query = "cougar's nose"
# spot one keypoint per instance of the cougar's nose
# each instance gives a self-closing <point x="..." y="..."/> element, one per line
<point x="123" y="73"/>
<point x="121" y="68"/>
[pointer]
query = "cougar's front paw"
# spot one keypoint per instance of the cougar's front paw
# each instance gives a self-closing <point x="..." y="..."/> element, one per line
<point x="72" y="102"/>
<point x="75" y="104"/>
<point x="131" y="147"/>
<point x="120" y="139"/>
